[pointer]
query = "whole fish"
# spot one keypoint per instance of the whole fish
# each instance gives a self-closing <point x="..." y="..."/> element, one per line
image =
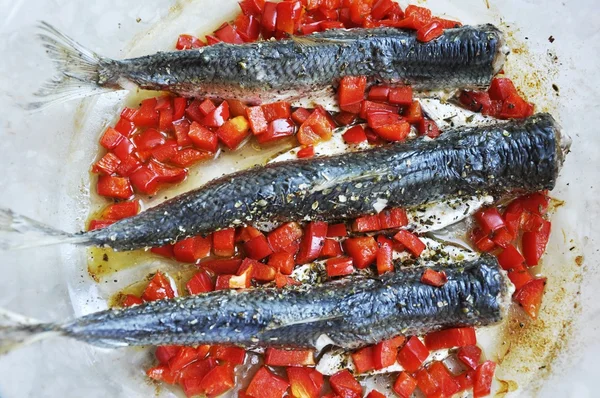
<point x="465" y="57"/>
<point x="348" y="313"/>
<point x="498" y="159"/>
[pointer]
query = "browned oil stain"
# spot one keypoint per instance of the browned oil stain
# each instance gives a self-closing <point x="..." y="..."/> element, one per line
<point x="579" y="260"/>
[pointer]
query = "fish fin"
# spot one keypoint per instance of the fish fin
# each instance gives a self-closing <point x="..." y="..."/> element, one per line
<point x="17" y="331"/>
<point x="80" y="70"/>
<point x="305" y="41"/>
<point x="329" y="182"/>
<point x="19" y="232"/>
<point x="279" y="324"/>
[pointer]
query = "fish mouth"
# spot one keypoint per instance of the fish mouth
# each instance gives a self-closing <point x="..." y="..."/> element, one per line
<point x="501" y="54"/>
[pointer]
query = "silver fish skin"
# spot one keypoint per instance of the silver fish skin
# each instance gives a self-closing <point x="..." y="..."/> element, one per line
<point x="499" y="159"/>
<point x="467" y="57"/>
<point x="351" y="312"/>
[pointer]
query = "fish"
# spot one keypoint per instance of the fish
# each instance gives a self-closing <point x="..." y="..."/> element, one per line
<point x="348" y="313"/>
<point x="467" y="57"/>
<point x="507" y="157"/>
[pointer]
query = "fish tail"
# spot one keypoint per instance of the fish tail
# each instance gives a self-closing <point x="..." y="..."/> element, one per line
<point x="19" y="232"/>
<point x="81" y="71"/>
<point x="17" y="331"/>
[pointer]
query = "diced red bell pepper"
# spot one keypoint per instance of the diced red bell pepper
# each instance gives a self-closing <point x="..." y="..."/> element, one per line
<point x="363" y="359"/>
<point x="199" y="109"/>
<point x="111" y="138"/>
<point x="184" y="357"/>
<point x="186" y="42"/>
<point x="147" y="115"/>
<point x="531" y="222"/>
<point x="191" y="376"/>
<point x="405" y="385"/>
<point x="481" y="240"/>
<point x="446" y="383"/>
<point x="413" y="114"/>
<point x="228" y="34"/>
<point x="469" y="355"/>
<point x="192" y="249"/>
<point x="484" y="375"/>
<point x="306" y="152"/>
<point x="165" y="251"/>
<point x="300" y="115"/>
<point x="218" y="116"/>
<point x="397" y="131"/>
<point x="363" y="250"/>
<point x="384" y="255"/>
<point x="165" y="119"/>
<point x="179" y="105"/>
<point x="324" y="15"/>
<point x="283" y="357"/>
<point x="246" y="233"/>
<point x="240" y="281"/>
<point x="277" y="129"/>
<point x="128" y="113"/>
<point x="248" y="27"/>
<point x="159" y="288"/>
<point x="502" y="237"/>
<point x="351" y="90"/>
<point x="510" y="258"/>
<point x="382" y="8"/>
<point x="413" y="354"/>
<point x="536" y="203"/>
<point x="478" y="101"/>
<point x="252" y="7"/>
<point x="282" y="237"/>
<point x="427" y="383"/>
<point x="233" y="132"/>
<point x="312" y="242"/>
<point x="125" y="127"/>
<point x="432" y="30"/>
<point x="257" y="119"/>
<point x="385" y="352"/>
<point x="376" y="107"/>
<point x="337" y="231"/>
<point x="355" y="135"/>
<point x="309" y="28"/>
<point x="203" y="138"/>
<point x="282" y="261"/>
<point x="339" y="266"/>
<point x="411" y="242"/>
<point x="304" y="382"/>
<point x="393" y="218"/>
<point x="359" y="10"/>
<point x="375" y="394"/>
<point x="515" y="107"/>
<point x="501" y="88"/>
<point x="266" y="384"/>
<point x="124" y="149"/>
<point x="316" y="128"/>
<point x="121" y="210"/>
<point x="220" y="379"/>
<point x="200" y="283"/>
<point x="269" y="16"/>
<point x="379" y="93"/>
<point x="489" y="219"/>
<point x="345" y="385"/>
<point x="519" y="276"/>
<point x="465" y="380"/>
<point x="534" y="244"/>
<point x="224" y="242"/>
<point x="401" y="95"/>
<point x="223" y="266"/>
<point x="144" y="180"/>
<point x="188" y="156"/>
<point x="288" y="15"/>
<point x="449" y="338"/>
<point x="331" y="248"/>
<point x="131" y="300"/>
<point x="212" y="39"/>
<point x="277" y="110"/>
<point x="423" y="13"/>
<point x="428" y="127"/>
<point x="166" y="173"/>
<point x="182" y="127"/>
<point x="263" y="273"/>
<point x="114" y="187"/>
<point x="284" y="280"/>
<point x="162" y="373"/>
<point x="231" y="354"/>
<point x="99" y="224"/>
<point x="108" y="164"/>
<point x="164" y="353"/>
<point x="434" y="278"/>
<point x="257" y="248"/>
<point x="530" y="296"/>
<point x="165" y="152"/>
<point x="236" y="107"/>
<point x="366" y="224"/>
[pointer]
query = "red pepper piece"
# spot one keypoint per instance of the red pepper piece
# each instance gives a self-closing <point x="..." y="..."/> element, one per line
<point x="432" y="30"/>
<point x="405" y="385"/>
<point x="248" y="27"/>
<point x="220" y="267"/>
<point x="288" y="15"/>
<point x="305" y="382"/>
<point x="427" y="383"/>
<point x="98" y="224"/>
<point x="159" y="288"/>
<point x="434" y="278"/>
<point x="188" y="156"/>
<point x="366" y="224"/>
<point x="203" y="138"/>
<point x="166" y="173"/>
<point x="266" y="384"/>
<point x="233" y="132"/>
<point x="192" y="249"/>
<point x="502" y="237"/>
<point x="331" y="248"/>
<point x="257" y="248"/>
<point x="481" y="240"/>
<point x="200" y="283"/>
<point x="263" y="272"/>
<point x="530" y="296"/>
<point x="306" y="152"/>
<point x="277" y="110"/>
<point x="345" y="385"/>
<point x="165" y="152"/>
<point x="384" y="255"/>
<point x="413" y="354"/>
<point x="469" y="355"/>
<point x="108" y="164"/>
<point x="489" y="219"/>
<point x="411" y="242"/>
<point x="111" y="138"/>
<point x="363" y="250"/>
<point x="228" y="34"/>
<point x="283" y="236"/>
<point x="277" y="129"/>
<point x="186" y="42"/>
<point x="449" y="338"/>
<point x="446" y="383"/>
<point x="300" y="115"/>
<point x="312" y="242"/>
<point x="179" y="104"/>
<point x="131" y="300"/>
<point x="339" y="266"/>
<point x="218" y="380"/>
<point x="224" y="242"/>
<point x="316" y="128"/>
<point x="147" y="115"/>
<point x="125" y="127"/>
<point x="145" y="180"/>
<point x="114" y="187"/>
<point x="534" y="244"/>
<point x="385" y="352"/>
<point x="363" y="359"/>
<point x="257" y="119"/>
<point x="351" y="90"/>
<point x="162" y="373"/>
<point x="231" y="354"/>
<point x="218" y="116"/>
<point x="393" y="218"/>
<point x="355" y="135"/>
<point x="428" y="127"/>
<point x="337" y="231"/>
<point x="519" y="276"/>
<point x="182" y="127"/>
<point x="121" y="210"/>
<point x="510" y="258"/>
<point x="282" y="262"/>
<point x="401" y="95"/>
<point x="165" y="251"/>
<point x="269" y="17"/>
<point x="484" y="376"/>
<point x="252" y="7"/>
<point x="283" y="357"/>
